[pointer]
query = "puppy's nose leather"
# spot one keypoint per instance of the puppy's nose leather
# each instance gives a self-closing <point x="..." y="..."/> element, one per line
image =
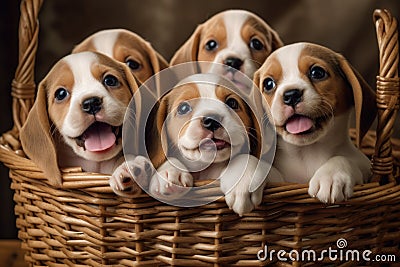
<point x="292" y="97"/>
<point x="92" y="105"/>
<point x="233" y="62"/>
<point x="211" y="123"/>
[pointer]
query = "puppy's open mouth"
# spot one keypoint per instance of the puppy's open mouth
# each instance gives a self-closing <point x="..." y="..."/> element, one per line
<point x="302" y="125"/>
<point x="99" y="137"/>
<point x="211" y="144"/>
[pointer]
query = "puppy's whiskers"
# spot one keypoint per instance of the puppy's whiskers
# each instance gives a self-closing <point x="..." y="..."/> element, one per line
<point x="238" y="129"/>
<point x="327" y="110"/>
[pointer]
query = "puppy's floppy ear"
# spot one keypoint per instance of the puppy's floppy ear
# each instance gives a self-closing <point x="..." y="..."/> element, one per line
<point x="37" y="141"/>
<point x="266" y="134"/>
<point x="255" y="134"/>
<point x="135" y="104"/>
<point x="86" y="45"/>
<point x="156" y="136"/>
<point x="133" y="82"/>
<point x="268" y="131"/>
<point x="157" y="61"/>
<point x="256" y="79"/>
<point x="276" y="41"/>
<point x="189" y="50"/>
<point x="364" y="99"/>
<point x="273" y="36"/>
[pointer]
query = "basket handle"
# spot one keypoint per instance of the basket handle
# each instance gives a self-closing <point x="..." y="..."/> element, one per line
<point x="23" y="85"/>
<point x="387" y="94"/>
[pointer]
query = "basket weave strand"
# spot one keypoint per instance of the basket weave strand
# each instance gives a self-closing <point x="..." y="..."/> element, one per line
<point x="85" y="224"/>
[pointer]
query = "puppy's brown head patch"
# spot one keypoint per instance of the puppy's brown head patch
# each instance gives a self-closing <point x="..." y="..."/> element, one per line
<point x="126" y="47"/>
<point x="212" y="36"/>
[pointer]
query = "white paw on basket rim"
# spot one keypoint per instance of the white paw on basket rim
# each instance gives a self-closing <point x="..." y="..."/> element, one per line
<point x="224" y="119"/>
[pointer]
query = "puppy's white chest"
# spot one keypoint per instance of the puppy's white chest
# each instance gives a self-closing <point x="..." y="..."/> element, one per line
<point x="298" y="165"/>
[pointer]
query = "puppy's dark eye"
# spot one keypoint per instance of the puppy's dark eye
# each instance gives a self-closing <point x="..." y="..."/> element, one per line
<point x="110" y="81"/>
<point x="211" y="45"/>
<point x="256" y="44"/>
<point x="269" y="84"/>
<point x="133" y="64"/>
<point x="232" y="103"/>
<point x="184" y="108"/>
<point x="317" y="73"/>
<point x="61" y="94"/>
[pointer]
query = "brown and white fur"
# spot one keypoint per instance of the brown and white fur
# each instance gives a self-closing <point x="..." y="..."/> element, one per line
<point x="126" y="47"/>
<point x="242" y="41"/>
<point x="77" y="117"/>
<point x="203" y="128"/>
<point x="311" y="91"/>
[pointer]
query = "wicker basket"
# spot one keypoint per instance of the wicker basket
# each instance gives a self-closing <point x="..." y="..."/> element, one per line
<point x="86" y="224"/>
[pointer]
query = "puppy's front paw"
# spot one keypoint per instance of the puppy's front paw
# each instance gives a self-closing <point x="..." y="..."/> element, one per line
<point x="129" y="175"/>
<point x="171" y="181"/>
<point x="241" y="201"/>
<point x="244" y="192"/>
<point x="334" y="181"/>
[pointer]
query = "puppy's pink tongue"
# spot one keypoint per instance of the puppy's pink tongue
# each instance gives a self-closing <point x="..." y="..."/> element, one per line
<point x="99" y="137"/>
<point x="299" y="124"/>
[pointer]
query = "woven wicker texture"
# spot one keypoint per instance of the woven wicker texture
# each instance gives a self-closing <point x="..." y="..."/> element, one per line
<point x="86" y="224"/>
<point x="387" y="87"/>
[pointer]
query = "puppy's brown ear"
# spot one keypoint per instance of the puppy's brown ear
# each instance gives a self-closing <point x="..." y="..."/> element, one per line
<point x="189" y="50"/>
<point x="255" y="135"/>
<point x="273" y="37"/>
<point x="135" y="105"/>
<point x="276" y="41"/>
<point x="256" y="79"/>
<point x="158" y="62"/>
<point x="86" y="45"/>
<point x="364" y="99"/>
<point x="156" y="136"/>
<point x="266" y="132"/>
<point x="132" y="81"/>
<point x="255" y="111"/>
<point x="37" y="141"/>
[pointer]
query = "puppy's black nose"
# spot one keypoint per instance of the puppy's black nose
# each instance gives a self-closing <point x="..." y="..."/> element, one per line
<point x="92" y="105"/>
<point x="292" y="97"/>
<point x="233" y="62"/>
<point x="211" y="123"/>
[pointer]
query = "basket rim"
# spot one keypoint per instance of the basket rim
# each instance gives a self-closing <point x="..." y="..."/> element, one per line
<point x="97" y="183"/>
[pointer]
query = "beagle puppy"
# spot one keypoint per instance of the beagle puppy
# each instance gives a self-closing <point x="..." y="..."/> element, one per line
<point x="311" y="91"/>
<point x="207" y="131"/>
<point x="126" y="47"/>
<point x="77" y="117"/>
<point x="237" y="38"/>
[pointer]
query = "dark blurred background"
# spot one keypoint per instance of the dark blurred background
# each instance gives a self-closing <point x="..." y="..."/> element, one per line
<point x="345" y="26"/>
